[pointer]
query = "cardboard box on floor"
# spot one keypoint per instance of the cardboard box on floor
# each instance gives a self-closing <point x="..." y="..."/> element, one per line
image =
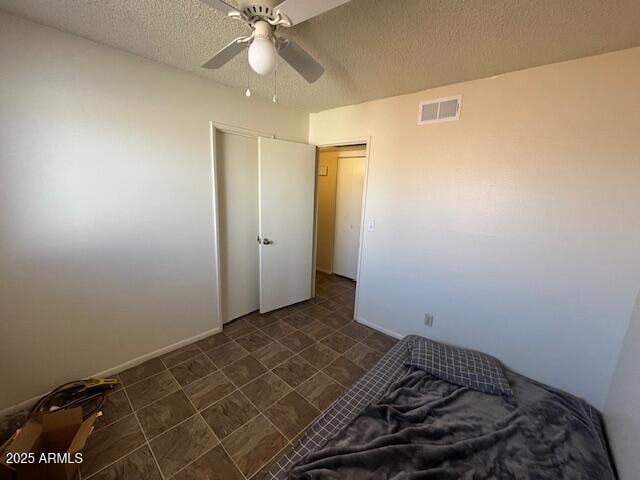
<point x="58" y="432"/>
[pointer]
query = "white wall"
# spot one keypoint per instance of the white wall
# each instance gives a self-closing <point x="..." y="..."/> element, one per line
<point x="621" y="412"/>
<point x="106" y="232"/>
<point x="517" y="225"/>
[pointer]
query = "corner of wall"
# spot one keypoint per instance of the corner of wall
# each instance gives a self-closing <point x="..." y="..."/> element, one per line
<point x="622" y="420"/>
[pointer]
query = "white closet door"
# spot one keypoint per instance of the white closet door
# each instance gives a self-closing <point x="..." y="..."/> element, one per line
<point x="287" y="202"/>
<point x="349" y="192"/>
<point x="237" y="170"/>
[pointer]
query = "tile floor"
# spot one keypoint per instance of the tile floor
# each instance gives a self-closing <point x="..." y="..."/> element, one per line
<point x="227" y="406"/>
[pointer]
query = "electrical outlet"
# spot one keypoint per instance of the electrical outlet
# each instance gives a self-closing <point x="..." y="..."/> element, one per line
<point x="428" y="319"/>
<point x="371" y="226"/>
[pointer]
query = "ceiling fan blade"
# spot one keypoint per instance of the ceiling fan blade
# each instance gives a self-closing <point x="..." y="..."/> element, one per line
<point x="301" y="61"/>
<point x="227" y="53"/>
<point x="300" y="10"/>
<point x="220" y="5"/>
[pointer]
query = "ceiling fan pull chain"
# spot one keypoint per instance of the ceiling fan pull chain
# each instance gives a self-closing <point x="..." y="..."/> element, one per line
<point x="275" y="82"/>
<point x="248" y="90"/>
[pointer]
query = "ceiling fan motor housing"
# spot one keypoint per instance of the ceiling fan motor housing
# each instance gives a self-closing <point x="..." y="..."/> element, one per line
<point x="251" y="13"/>
<point x="258" y="11"/>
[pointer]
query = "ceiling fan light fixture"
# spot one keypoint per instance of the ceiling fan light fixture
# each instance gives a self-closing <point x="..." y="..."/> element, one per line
<point x="265" y="18"/>
<point x="263" y="54"/>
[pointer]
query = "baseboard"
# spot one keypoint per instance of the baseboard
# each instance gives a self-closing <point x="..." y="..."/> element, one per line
<point x="322" y="270"/>
<point x="161" y="351"/>
<point x="380" y="329"/>
<point x="119" y="368"/>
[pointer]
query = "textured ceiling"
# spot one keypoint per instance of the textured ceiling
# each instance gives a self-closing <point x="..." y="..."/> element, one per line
<point x="370" y="48"/>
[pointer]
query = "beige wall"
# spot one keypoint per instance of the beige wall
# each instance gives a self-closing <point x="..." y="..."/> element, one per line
<point x="621" y="412"/>
<point x="106" y="232"/>
<point x="515" y="226"/>
<point x="326" y="209"/>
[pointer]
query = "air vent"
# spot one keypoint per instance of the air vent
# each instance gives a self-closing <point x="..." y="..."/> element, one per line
<point x="439" y="110"/>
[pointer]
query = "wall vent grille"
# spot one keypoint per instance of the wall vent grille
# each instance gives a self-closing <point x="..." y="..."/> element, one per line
<point x="440" y="110"/>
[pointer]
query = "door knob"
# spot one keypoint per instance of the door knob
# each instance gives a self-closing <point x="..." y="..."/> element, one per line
<point x="266" y="241"/>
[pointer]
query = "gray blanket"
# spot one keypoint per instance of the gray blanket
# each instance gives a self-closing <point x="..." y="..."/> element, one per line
<point x="425" y="428"/>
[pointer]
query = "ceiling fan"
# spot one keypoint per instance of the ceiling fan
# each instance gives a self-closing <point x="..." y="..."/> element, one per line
<point x="265" y="43"/>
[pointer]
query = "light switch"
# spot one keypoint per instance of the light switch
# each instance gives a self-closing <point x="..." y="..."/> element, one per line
<point x="371" y="226"/>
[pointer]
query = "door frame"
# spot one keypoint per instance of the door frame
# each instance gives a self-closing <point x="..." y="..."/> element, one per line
<point x="214" y="128"/>
<point x="366" y="140"/>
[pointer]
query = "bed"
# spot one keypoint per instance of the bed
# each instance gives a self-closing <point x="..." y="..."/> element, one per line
<point x="401" y="422"/>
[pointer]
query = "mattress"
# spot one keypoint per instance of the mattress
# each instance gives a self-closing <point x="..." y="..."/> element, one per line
<point x="336" y="438"/>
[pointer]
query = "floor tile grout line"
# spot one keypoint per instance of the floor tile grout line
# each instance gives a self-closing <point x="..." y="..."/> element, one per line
<point x="272" y="403"/>
<point x="124" y="385"/>
<point x="259" y="413"/>
<point x="273" y="425"/>
<point x="217" y="369"/>
<point x="110" y="464"/>
<point x="234" y="361"/>
<point x="185" y="420"/>
<point x="283" y="449"/>
<point x="209" y="405"/>
<point x="144" y="434"/>
<point x="199" y="412"/>
<point x="168" y="367"/>
<point x="182" y="362"/>
<point x="155" y="401"/>
<point x="251" y="353"/>
<point x="146" y="443"/>
<point x="182" y="387"/>
<point x="231" y="458"/>
<point x="111" y="423"/>
<point x="195" y="460"/>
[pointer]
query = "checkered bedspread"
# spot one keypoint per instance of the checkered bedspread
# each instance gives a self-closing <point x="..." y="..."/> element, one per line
<point x="366" y="390"/>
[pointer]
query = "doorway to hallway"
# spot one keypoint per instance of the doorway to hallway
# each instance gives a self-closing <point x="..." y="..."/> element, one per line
<point x="341" y="174"/>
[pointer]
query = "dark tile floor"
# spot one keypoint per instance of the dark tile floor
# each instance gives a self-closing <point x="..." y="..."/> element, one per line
<point x="228" y="406"/>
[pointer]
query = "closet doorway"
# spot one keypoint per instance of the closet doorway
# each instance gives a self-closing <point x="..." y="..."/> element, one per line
<point x="341" y="177"/>
<point x="264" y="216"/>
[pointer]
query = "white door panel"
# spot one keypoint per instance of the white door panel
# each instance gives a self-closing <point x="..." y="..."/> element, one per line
<point x="237" y="171"/>
<point x="286" y="218"/>
<point x="350" y="185"/>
